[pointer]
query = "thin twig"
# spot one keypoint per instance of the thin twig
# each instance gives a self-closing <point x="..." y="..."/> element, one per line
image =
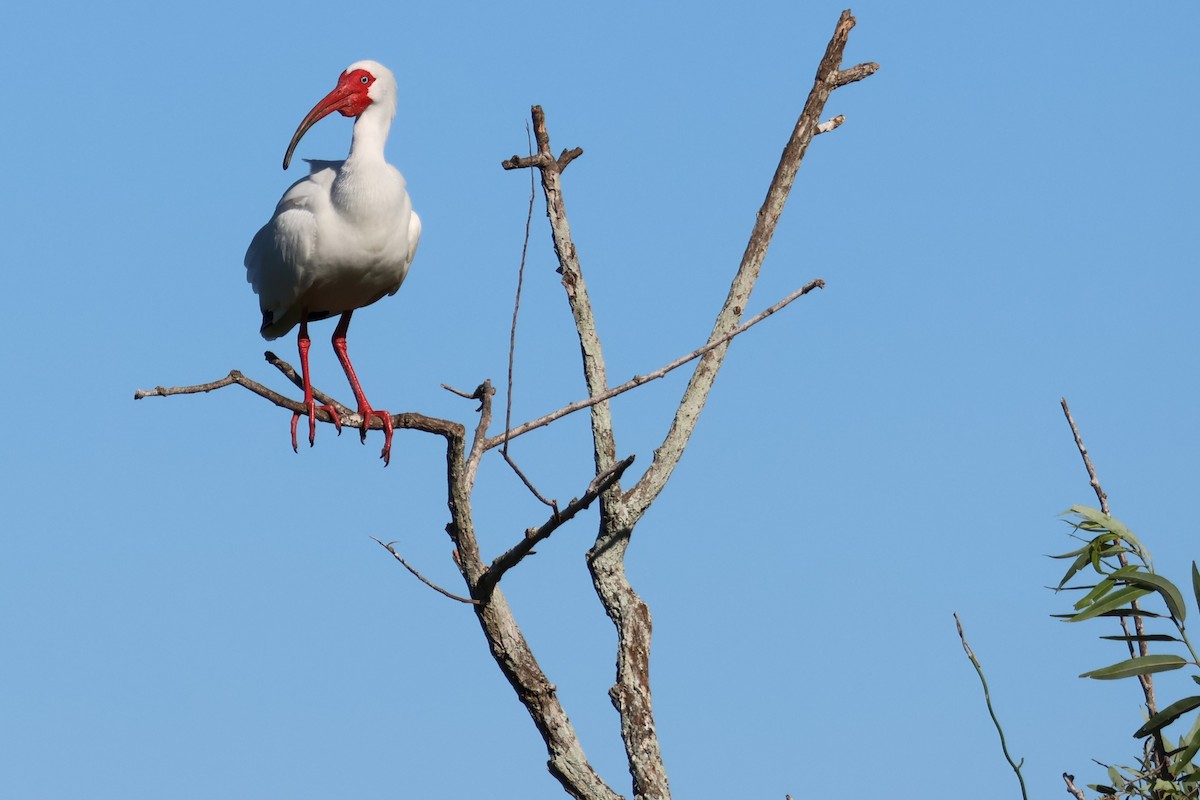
<point x="533" y="536"/>
<point x="1087" y="459"/>
<point x="388" y="546"/>
<point x="638" y="380"/>
<point x="988" y="699"/>
<point x="459" y="392"/>
<point x="512" y="334"/>
<point x="407" y="420"/>
<point x="290" y="373"/>
<point x="512" y="341"/>
<point x="525" y="480"/>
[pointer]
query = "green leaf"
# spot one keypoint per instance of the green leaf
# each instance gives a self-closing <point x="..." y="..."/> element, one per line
<point x="1096" y="520"/>
<point x="1131" y="612"/>
<point x="1157" y="583"/>
<point x="1116" y="612"/>
<point x="1071" y="554"/>
<point x="1183" y="759"/>
<point x="1191" y="777"/>
<point x="1168" y="715"/>
<point x="1078" y="564"/>
<point x="1121" y="597"/>
<point x="1103" y="587"/>
<point x="1099" y="590"/>
<point x="1196" y="583"/>
<point x="1148" y="637"/>
<point x="1142" y="665"/>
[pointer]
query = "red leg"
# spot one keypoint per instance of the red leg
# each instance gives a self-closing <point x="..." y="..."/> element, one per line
<point x="303" y="343"/>
<point x="364" y="408"/>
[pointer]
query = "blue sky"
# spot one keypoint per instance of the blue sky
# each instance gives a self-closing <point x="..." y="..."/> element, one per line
<point x="190" y="610"/>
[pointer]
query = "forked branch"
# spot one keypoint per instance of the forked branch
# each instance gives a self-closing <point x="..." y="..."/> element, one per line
<point x="534" y="536"/>
<point x="619" y="513"/>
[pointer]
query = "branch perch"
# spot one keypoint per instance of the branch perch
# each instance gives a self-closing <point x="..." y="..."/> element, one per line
<point x="534" y="536"/>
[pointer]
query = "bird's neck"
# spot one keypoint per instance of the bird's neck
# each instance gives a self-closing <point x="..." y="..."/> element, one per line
<point x="370" y="135"/>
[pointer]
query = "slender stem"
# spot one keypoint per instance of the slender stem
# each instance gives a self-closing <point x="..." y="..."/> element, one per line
<point x="987" y="696"/>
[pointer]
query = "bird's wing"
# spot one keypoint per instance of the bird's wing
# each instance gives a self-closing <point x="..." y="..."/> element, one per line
<point x="414" y="235"/>
<point x="279" y="261"/>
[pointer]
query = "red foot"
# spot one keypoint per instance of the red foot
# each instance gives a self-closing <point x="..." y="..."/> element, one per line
<point x="312" y="423"/>
<point x="366" y="412"/>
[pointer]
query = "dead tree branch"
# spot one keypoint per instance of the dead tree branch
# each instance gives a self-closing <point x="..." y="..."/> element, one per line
<point x="638" y="380"/>
<point x="1087" y="459"/>
<point x="534" y="536"/>
<point x="1072" y="789"/>
<point x="829" y="77"/>
<point x="619" y="513"/>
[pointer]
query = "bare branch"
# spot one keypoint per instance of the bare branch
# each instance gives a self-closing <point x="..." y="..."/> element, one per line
<point x="408" y="420"/>
<point x="235" y="377"/>
<point x="567" y="156"/>
<point x="638" y="380"/>
<point x="856" y="73"/>
<point x="459" y="392"/>
<point x="1074" y="790"/>
<point x="162" y="391"/>
<point x="512" y="334"/>
<point x="618" y="514"/>
<point x="525" y="480"/>
<point x="594" y="371"/>
<point x="1087" y="459"/>
<point x="831" y="124"/>
<point x="534" y="536"/>
<point x="388" y="546"/>
<point x="290" y="373"/>
<point x="666" y="457"/>
<point x="483" y="393"/>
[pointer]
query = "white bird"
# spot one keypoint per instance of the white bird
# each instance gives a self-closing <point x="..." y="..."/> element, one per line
<point x="341" y="238"/>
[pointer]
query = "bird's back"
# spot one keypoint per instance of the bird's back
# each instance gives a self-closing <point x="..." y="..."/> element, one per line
<point x="340" y="239"/>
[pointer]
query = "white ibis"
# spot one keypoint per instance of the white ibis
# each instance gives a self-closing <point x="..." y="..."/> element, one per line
<point x="340" y="239"/>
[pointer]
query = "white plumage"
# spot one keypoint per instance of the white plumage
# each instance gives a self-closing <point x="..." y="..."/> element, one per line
<point x="341" y="238"/>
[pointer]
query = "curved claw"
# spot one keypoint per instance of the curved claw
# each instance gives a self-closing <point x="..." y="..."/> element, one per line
<point x="388" y="429"/>
<point x="386" y="418"/>
<point x="312" y="423"/>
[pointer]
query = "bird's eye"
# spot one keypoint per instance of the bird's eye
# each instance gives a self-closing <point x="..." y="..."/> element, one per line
<point x="364" y="80"/>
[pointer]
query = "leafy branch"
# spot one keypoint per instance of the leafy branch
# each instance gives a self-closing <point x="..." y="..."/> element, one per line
<point x="1126" y="575"/>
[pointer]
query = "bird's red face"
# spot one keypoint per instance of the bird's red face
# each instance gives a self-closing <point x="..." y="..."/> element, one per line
<point x="350" y="97"/>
